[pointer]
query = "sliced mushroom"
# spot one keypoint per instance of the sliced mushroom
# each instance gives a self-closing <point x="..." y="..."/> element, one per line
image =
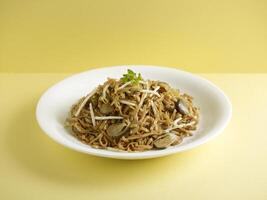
<point x="182" y="107"/>
<point x="105" y="108"/>
<point x="165" y="141"/>
<point x="163" y="87"/>
<point x="116" y="130"/>
<point x="177" y="141"/>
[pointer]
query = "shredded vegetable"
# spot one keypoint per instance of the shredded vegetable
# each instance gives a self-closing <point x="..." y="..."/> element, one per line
<point x="132" y="114"/>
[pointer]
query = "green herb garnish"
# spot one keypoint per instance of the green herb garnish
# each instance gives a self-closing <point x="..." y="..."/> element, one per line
<point x="131" y="76"/>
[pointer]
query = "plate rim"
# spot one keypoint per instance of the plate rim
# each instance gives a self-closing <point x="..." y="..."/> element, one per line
<point x="134" y="155"/>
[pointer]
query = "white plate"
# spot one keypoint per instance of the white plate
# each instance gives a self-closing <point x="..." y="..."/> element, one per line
<point x="55" y="103"/>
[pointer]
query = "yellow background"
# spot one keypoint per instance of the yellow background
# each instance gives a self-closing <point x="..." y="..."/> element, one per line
<point x="62" y="37"/>
<point x="232" y="166"/>
<point x="74" y="35"/>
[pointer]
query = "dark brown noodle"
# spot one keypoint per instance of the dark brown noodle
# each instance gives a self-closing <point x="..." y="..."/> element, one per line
<point x="133" y="116"/>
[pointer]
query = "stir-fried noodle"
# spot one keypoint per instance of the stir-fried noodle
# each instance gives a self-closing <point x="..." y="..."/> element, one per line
<point x="132" y="114"/>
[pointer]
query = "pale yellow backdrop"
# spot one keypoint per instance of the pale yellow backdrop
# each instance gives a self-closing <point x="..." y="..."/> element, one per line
<point x="74" y="35"/>
<point x="62" y="37"/>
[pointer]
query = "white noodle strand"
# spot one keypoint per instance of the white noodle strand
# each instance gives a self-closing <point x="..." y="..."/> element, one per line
<point x="108" y="117"/>
<point x="92" y="114"/>
<point x="151" y="92"/>
<point x="84" y="102"/>
<point x="124" y="85"/>
<point x="127" y="103"/>
<point x="155" y="90"/>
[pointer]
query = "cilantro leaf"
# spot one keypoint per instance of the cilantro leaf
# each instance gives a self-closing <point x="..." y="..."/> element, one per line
<point x="131" y="76"/>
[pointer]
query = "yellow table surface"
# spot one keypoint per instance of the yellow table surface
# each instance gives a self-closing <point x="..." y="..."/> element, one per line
<point x="232" y="166"/>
